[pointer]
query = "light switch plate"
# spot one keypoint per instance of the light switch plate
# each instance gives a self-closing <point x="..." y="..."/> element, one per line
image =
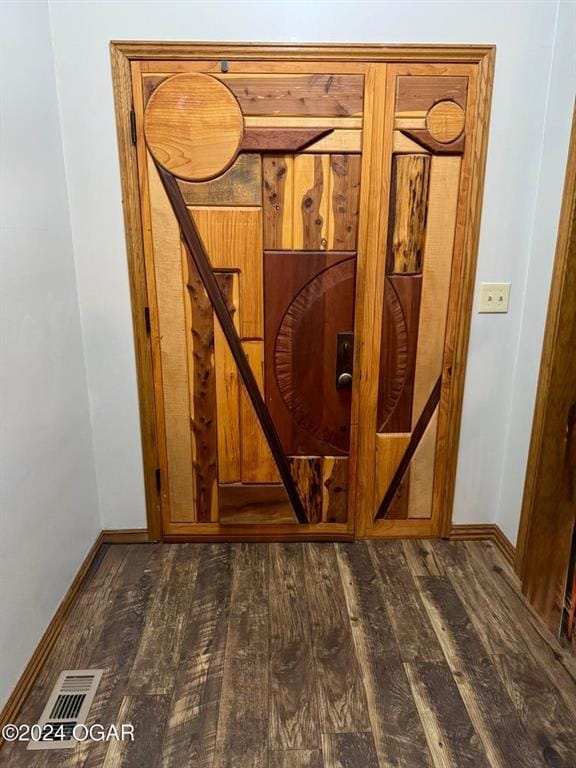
<point x="494" y="297"/>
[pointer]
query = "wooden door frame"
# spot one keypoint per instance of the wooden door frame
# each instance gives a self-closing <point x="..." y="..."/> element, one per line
<point x="565" y="259"/>
<point x="124" y="52"/>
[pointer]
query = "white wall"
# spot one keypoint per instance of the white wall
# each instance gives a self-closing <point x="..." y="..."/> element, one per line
<point x="501" y="370"/>
<point x="48" y="501"/>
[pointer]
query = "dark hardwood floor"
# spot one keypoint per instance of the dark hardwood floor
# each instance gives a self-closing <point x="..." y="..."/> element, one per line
<point x="415" y="653"/>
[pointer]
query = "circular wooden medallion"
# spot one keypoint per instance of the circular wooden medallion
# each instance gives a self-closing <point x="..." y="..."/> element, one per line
<point x="193" y="126"/>
<point x="445" y="121"/>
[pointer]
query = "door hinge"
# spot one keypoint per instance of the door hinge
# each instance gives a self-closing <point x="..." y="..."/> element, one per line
<point x="147" y="319"/>
<point x="133" y="133"/>
<point x="158" y="480"/>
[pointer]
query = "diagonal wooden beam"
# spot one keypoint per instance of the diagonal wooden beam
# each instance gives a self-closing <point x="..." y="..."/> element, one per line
<point x="198" y="259"/>
<point x="415" y="438"/>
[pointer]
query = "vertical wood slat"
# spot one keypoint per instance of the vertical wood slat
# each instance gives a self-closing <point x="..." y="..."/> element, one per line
<point x="257" y="464"/>
<point x="173" y="329"/>
<point x="438" y="251"/>
<point x="202" y="384"/>
<point x="407" y="222"/>
<point x="227" y="387"/>
<point x="311" y="202"/>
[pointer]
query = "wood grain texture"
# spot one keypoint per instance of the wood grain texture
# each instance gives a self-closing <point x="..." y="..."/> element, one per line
<point x="345" y="198"/>
<point x="219" y="702"/>
<point x="153" y="673"/>
<point x="296" y="758"/>
<point x="390" y="449"/>
<point x="254" y="504"/>
<point x="416" y="639"/>
<point x="309" y="300"/>
<point x="293" y="703"/>
<point x="426" y="140"/>
<point x="173" y="331"/>
<point x="233" y="240"/>
<point x="302" y="121"/>
<point x="311" y="202"/>
<point x="414" y="92"/>
<point x="257" y="464"/>
<point x="278" y="201"/>
<point x="339" y="141"/>
<point x="227" y="387"/>
<point x="281" y="139"/>
<point x="191" y="732"/>
<point x="377" y="147"/>
<point x="148" y="716"/>
<point x="240" y="185"/>
<point x="422" y="473"/>
<point x="307" y="474"/>
<point x="242" y="736"/>
<point x="203" y="390"/>
<point x="403" y="145"/>
<point x="450" y="734"/>
<point x="337" y="95"/>
<point x="400" y="321"/>
<point x="549" y="504"/>
<point x="438" y="250"/>
<point x="396" y="727"/>
<point x="342" y="704"/>
<point x="334" y="489"/>
<point x="408" y="206"/>
<point x="348" y="750"/>
<point x="193" y="126"/>
<point x="499" y="728"/>
<point x="445" y="121"/>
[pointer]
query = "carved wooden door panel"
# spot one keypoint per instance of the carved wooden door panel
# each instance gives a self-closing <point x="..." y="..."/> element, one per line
<point x="302" y="259"/>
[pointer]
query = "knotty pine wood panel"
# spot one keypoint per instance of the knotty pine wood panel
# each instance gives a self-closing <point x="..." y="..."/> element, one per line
<point x="202" y="386"/>
<point x="233" y="240"/>
<point x="307" y="474"/>
<point x="227" y="387"/>
<point x="438" y="250"/>
<point x="400" y="318"/>
<point x="335" y="489"/>
<point x="309" y="300"/>
<point x="407" y="221"/>
<point x="345" y="199"/>
<point x="170" y="292"/>
<point x="257" y="464"/>
<point x="240" y="185"/>
<point x="311" y="202"/>
<point x="329" y="94"/>
<point x="278" y="201"/>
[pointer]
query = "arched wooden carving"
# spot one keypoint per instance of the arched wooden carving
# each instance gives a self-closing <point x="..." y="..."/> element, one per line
<point x="309" y="300"/>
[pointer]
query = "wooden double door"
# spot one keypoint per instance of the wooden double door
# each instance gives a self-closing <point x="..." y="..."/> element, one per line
<point x="330" y="204"/>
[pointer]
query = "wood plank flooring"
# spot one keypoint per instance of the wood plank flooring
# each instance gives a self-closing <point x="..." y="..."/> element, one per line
<point x="310" y="655"/>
